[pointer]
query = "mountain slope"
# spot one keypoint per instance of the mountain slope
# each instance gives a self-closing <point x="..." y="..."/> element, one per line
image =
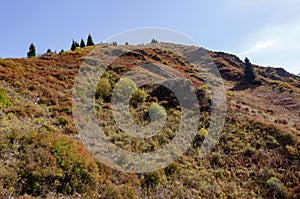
<point x="256" y="156"/>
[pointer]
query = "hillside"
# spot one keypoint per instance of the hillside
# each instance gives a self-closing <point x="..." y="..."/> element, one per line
<point x="257" y="154"/>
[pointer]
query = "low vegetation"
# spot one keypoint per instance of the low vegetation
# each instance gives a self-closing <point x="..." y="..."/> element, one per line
<point x="257" y="154"/>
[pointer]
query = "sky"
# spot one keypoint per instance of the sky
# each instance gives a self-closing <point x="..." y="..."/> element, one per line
<point x="265" y="31"/>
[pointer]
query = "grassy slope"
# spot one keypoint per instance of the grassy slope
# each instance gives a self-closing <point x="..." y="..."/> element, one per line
<point x="41" y="154"/>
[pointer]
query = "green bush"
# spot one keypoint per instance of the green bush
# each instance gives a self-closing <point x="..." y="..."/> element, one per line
<point x="157" y="112"/>
<point x="199" y="138"/>
<point x="4" y="101"/>
<point x="103" y="89"/>
<point x="67" y="110"/>
<point x="276" y="188"/>
<point x="139" y="95"/>
<point x="172" y="169"/>
<point x="38" y="171"/>
<point x="48" y="163"/>
<point x="63" y="121"/>
<point x="216" y="160"/>
<point x="77" y="171"/>
<point x="124" y="88"/>
<point x="292" y="151"/>
<point x="151" y="180"/>
<point x="271" y="142"/>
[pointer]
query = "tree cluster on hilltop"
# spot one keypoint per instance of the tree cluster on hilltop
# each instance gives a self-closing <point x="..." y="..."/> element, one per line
<point x="32" y="49"/>
<point x="82" y="44"/>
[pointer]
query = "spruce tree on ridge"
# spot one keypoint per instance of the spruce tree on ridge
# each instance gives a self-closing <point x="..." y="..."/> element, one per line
<point x="90" y="41"/>
<point x="32" y="51"/>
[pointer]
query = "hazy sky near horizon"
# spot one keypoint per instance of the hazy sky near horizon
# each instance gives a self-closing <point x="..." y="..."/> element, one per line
<point x="268" y="32"/>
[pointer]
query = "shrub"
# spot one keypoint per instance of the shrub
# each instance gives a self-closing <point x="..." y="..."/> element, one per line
<point x="139" y="95"/>
<point x="199" y="138"/>
<point x="292" y="151"/>
<point x="47" y="162"/>
<point x="203" y="132"/>
<point x="8" y="178"/>
<point x="151" y="180"/>
<point x="285" y="138"/>
<point x="264" y="174"/>
<point x="63" y="121"/>
<point x="103" y="89"/>
<point x="204" y="87"/>
<point x="249" y="151"/>
<point x="38" y="171"/>
<point x="124" y="88"/>
<point x="276" y="188"/>
<point x="172" y="169"/>
<point x="4" y="101"/>
<point x="67" y="110"/>
<point x="271" y="142"/>
<point x="77" y="170"/>
<point x="157" y="112"/>
<point x="216" y="160"/>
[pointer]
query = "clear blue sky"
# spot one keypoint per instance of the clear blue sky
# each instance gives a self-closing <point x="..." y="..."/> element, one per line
<point x="266" y="31"/>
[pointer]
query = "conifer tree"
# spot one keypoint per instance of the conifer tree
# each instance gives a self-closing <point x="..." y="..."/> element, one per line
<point x="32" y="51"/>
<point x="90" y="41"/>
<point x="74" y="45"/>
<point x="249" y="74"/>
<point x="82" y="44"/>
<point x="153" y="41"/>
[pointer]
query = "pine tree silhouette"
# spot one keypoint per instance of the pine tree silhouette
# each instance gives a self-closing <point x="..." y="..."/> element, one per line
<point x="74" y="45"/>
<point x="82" y="43"/>
<point x="90" y="41"/>
<point x="32" y="51"/>
<point x="153" y="41"/>
<point x="249" y="74"/>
